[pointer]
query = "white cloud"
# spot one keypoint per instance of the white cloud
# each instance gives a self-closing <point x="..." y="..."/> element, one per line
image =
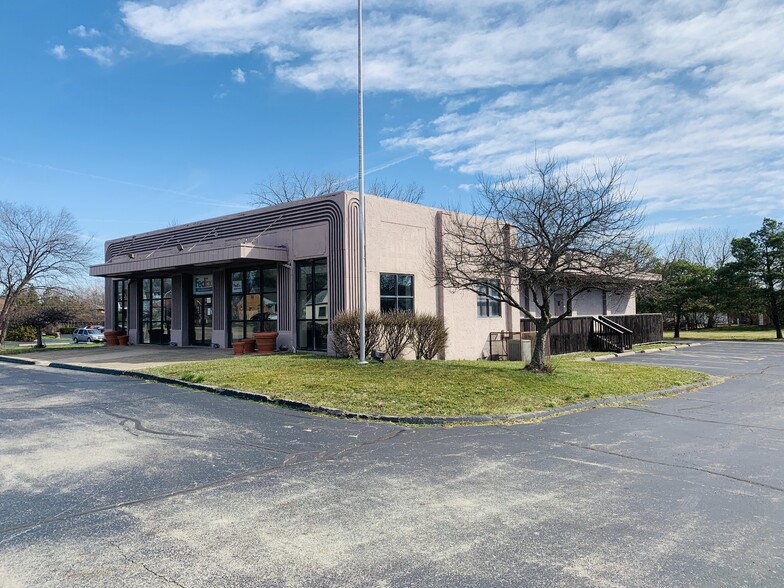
<point x="84" y="32"/>
<point x="277" y="54"/>
<point x="103" y="55"/>
<point x="690" y="94"/>
<point x="59" y="52"/>
<point x="238" y="75"/>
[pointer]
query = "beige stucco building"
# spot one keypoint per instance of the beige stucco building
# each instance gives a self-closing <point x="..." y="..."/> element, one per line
<point x="290" y="268"/>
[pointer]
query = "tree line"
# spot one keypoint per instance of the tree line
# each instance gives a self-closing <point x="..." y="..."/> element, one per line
<point x="707" y="275"/>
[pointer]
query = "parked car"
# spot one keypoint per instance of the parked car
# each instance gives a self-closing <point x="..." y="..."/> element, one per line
<point x="86" y="335"/>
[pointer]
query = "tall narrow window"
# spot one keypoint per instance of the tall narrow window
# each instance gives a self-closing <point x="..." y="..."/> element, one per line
<point x="156" y="310"/>
<point x="488" y="301"/>
<point x="397" y="292"/>
<point x="120" y="305"/>
<point x="312" y="305"/>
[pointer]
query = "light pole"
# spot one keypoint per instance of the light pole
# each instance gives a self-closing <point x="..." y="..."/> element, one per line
<point x="362" y="287"/>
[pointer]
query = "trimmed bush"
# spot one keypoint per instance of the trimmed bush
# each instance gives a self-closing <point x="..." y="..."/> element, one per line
<point x="429" y="336"/>
<point x="397" y="330"/>
<point x="345" y="332"/>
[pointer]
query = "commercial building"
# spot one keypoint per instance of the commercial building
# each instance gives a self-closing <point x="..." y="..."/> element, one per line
<point x="290" y="268"/>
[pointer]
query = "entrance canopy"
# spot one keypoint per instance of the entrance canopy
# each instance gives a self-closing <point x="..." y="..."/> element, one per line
<point x="132" y="263"/>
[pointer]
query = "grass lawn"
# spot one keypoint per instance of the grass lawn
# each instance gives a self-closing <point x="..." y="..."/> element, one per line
<point x="739" y="333"/>
<point x="427" y="387"/>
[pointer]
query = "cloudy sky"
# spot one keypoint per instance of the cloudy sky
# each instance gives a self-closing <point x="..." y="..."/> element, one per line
<point x="138" y="114"/>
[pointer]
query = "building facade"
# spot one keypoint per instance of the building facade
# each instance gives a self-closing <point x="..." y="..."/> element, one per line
<point x="291" y="268"/>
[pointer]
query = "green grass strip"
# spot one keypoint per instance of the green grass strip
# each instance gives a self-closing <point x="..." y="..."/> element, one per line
<point x="434" y="388"/>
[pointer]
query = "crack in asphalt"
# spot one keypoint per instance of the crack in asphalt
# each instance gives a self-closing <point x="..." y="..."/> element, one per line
<point x="689" y="418"/>
<point x="672" y="465"/>
<point x="316" y="457"/>
<point x="137" y="424"/>
<point x="127" y="558"/>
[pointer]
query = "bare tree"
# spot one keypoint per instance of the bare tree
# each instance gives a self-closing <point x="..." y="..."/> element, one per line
<point x="38" y="248"/>
<point x="289" y="186"/>
<point x="549" y="230"/>
<point x="87" y="302"/>
<point x="708" y="247"/>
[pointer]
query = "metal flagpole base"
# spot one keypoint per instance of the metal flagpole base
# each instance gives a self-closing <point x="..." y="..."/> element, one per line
<point x="363" y="362"/>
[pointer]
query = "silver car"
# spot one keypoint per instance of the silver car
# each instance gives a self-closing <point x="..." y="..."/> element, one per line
<point x="88" y="336"/>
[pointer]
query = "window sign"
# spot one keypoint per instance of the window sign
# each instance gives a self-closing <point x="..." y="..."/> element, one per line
<point x="202" y="285"/>
<point x="236" y="283"/>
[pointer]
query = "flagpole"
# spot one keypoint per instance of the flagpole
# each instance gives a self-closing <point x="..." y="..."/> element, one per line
<point x="362" y="286"/>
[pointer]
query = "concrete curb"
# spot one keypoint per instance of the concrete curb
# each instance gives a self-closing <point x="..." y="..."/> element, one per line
<point x="631" y="353"/>
<point x="18" y="360"/>
<point x="336" y="412"/>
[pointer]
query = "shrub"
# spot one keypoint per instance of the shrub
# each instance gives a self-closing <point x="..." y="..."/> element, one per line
<point x="429" y="336"/>
<point x="345" y="332"/>
<point x="21" y="333"/>
<point x="397" y="330"/>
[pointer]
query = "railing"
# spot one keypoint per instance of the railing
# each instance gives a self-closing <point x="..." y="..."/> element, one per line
<point x="576" y="333"/>
<point x="607" y="335"/>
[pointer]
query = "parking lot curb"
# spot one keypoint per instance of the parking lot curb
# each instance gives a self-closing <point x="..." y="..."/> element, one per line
<point x="345" y="414"/>
<point x="18" y="360"/>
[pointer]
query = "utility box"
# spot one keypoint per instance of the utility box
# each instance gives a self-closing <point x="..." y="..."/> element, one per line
<point x="518" y="350"/>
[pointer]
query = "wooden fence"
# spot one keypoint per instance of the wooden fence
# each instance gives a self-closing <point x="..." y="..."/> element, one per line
<point x="577" y="333"/>
<point x="646" y="328"/>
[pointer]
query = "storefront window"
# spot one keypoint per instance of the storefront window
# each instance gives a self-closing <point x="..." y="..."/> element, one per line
<point x="254" y="302"/>
<point x="312" y="305"/>
<point x="156" y="310"/>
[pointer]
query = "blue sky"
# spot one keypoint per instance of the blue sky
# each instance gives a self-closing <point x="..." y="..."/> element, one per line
<point x="136" y="114"/>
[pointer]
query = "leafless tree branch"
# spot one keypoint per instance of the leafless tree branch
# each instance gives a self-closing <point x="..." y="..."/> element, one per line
<point x="289" y="186"/>
<point x="551" y="229"/>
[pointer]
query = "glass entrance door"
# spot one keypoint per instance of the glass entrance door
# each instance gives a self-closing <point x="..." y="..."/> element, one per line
<point x="201" y="321"/>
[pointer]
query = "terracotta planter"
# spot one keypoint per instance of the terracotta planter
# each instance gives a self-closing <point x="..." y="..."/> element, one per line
<point x="238" y="347"/>
<point x="112" y="338"/>
<point x="250" y="345"/>
<point x="265" y="342"/>
<point x="122" y="340"/>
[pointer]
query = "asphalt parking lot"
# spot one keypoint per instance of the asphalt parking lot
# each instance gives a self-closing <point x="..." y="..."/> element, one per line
<point x="111" y="481"/>
<point x="718" y="358"/>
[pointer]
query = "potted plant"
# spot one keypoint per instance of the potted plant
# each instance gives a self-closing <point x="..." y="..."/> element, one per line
<point x="265" y="341"/>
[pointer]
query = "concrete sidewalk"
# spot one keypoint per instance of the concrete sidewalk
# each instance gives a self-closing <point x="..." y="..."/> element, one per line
<point x="133" y="357"/>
